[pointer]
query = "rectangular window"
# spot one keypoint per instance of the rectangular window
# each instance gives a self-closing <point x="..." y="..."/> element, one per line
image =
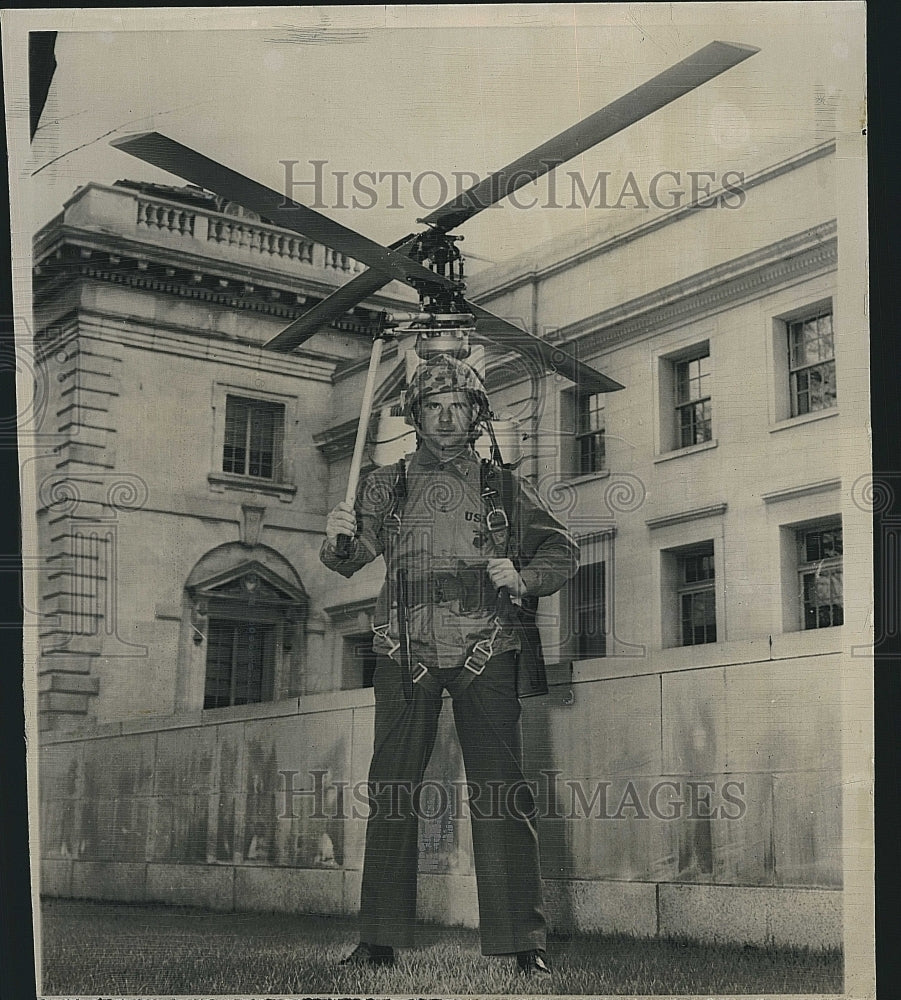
<point x="590" y="451"/>
<point x="696" y="596"/>
<point x="820" y="575"/>
<point x="238" y="662"/>
<point x="588" y="611"/>
<point x="253" y="437"/>
<point x="811" y="363"/>
<point x="358" y="666"/>
<point x="692" y="385"/>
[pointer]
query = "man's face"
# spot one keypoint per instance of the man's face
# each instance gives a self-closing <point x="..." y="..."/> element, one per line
<point x="446" y="420"/>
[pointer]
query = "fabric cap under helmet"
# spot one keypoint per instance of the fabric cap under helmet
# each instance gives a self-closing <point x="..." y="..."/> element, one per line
<point x="444" y="373"/>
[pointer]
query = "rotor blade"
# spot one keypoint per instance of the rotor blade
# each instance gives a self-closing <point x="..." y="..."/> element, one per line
<point x="333" y="307"/>
<point x="328" y="310"/>
<point x="505" y="334"/>
<point x="167" y="154"/>
<point x="647" y="98"/>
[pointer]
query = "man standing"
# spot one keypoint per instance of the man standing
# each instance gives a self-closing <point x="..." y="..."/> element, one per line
<point x="469" y="547"/>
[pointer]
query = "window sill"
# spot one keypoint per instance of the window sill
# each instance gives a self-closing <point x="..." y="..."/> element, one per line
<point x="221" y="481"/>
<point x="577" y="479"/>
<point x="805" y="418"/>
<point x="690" y="450"/>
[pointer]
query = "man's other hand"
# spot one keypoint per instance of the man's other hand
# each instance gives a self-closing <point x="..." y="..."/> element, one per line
<point x="341" y="521"/>
<point x="503" y="574"/>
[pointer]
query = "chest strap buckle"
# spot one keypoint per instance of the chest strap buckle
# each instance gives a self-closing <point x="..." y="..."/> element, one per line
<point x="496" y="520"/>
<point x="382" y="632"/>
<point x="481" y="652"/>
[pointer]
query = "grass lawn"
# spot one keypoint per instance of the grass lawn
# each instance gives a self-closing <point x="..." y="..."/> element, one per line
<point x="111" y="948"/>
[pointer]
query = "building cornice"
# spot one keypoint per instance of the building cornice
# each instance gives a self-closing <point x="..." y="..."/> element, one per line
<point x="695" y="514"/>
<point x="803" y="255"/>
<point x="812" y="251"/>
<point x="509" y="277"/>
<point x="117" y="260"/>
<point x="805" y="490"/>
<point x="338" y="441"/>
<point x="185" y="341"/>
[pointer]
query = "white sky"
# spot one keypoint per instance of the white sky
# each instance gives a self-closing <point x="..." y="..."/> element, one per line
<point x="367" y="90"/>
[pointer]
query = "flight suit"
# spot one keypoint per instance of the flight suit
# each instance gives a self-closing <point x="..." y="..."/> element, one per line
<point x="444" y="544"/>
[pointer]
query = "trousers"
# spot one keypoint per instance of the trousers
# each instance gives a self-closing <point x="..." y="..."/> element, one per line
<point x="501" y="806"/>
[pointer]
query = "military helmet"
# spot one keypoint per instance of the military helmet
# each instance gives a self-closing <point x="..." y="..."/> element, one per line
<point x="444" y="373"/>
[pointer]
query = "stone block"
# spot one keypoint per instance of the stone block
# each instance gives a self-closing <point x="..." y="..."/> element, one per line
<point x="74" y="454"/>
<point x="695" y="730"/>
<point x="61" y="770"/>
<point x="179" y="829"/>
<point x="55" y="701"/>
<point x="722" y="832"/>
<point x="65" y="664"/>
<point x="353" y="881"/>
<point x="183" y="764"/>
<point x="131" y="823"/>
<point x="808" y="828"/>
<point x="760" y="916"/>
<point x="714" y="913"/>
<point x="96" y="829"/>
<point x="228" y="767"/>
<point x="110" y="880"/>
<point x="89" y="381"/>
<point x="68" y="683"/>
<point x="191" y="885"/>
<point x="611" y="730"/>
<point x="56" y="877"/>
<point x="289" y="890"/>
<point x="601" y="907"/>
<point x="305" y="744"/>
<point x="619" y="837"/>
<point x="221" y="845"/>
<point x="119" y="766"/>
<point x="59" y="640"/>
<point x="354" y="841"/>
<point x="306" y="758"/>
<point x="448" y="899"/>
<point x="784" y="715"/>
<point x="363" y="727"/>
<point x="60" y="827"/>
<point x="806" y="918"/>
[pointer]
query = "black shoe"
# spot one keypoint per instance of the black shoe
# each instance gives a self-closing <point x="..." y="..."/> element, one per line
<point x="370" y="954"/>
<point x="532" y="963"/>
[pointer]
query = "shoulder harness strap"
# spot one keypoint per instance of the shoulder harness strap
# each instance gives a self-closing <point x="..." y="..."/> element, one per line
<point x="496" y="504"/>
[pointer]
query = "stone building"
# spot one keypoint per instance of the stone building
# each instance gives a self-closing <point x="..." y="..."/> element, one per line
<point x="204" y="702"/>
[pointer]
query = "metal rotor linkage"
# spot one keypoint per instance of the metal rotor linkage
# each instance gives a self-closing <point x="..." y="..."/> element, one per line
<point x="445" y="323"/>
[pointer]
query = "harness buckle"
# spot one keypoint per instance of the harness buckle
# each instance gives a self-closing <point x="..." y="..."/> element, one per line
<point x="496" y="520"/>
<point x="382" y="632"/>
<point x="482" y="651"/>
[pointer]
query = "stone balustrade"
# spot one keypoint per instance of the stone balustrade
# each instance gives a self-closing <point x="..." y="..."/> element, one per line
<point x="173" y="224"/>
